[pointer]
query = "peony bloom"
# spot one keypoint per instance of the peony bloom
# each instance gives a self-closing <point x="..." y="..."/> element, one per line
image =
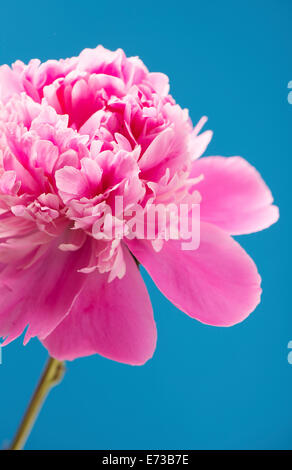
<point x="76" y="134"/>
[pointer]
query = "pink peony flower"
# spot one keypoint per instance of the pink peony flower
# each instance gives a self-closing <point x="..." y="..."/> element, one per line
<point x="76" y="134"/>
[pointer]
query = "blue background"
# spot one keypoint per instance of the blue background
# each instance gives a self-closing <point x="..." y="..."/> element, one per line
<point x="206" y="387"/>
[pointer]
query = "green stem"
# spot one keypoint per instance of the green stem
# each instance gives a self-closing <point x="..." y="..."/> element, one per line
<point x="52" y="375"/>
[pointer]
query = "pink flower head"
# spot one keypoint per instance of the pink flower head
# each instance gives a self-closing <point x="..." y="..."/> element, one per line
<point x="75" y="136"/>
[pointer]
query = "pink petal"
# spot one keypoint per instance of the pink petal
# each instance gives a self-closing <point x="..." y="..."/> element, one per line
<point x="71" y="183"/>
<point x="234" y="196"/>
<point x="199" y="142"/>
<point x="217" y="284"/>
<point x="112" y="319"/>
<point x="46" y="155"/>
<point x="157" y="150"/>
<point x="9" y="83"/>
<point x="160" y="82"/>
<point x="42" y="294"/>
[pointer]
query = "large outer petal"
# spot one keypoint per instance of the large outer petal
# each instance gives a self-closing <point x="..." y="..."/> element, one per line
<point x="42" y="294"/>
<point x="234" y="196"/>
<point x="112" y="319"/>
<point x="217" y="284"/>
